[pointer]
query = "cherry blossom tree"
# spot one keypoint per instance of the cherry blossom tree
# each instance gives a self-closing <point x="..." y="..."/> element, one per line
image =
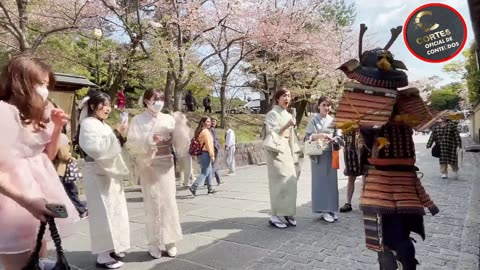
<point x="300" y="48"/>
<point x="228" y="43"/>
<point x="25" y="24"/>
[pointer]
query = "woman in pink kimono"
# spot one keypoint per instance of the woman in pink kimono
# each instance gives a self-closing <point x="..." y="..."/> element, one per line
<point x="28" y="142"/>
<point x="150" y="141"/>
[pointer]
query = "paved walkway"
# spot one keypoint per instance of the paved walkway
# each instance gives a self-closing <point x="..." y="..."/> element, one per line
<point x="229" y="230"/>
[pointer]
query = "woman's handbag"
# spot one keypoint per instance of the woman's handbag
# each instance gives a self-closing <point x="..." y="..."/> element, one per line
<point x="436" y="152"/>
<point x="314" y="148"/>
<point x="34" y="261"/>
<point x="272" y="142"/>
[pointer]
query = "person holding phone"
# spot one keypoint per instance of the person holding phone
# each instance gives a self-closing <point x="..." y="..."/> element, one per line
<point x="150" y="141"/>
<point x="103" y="175"/>
<point x="28" y="141"/>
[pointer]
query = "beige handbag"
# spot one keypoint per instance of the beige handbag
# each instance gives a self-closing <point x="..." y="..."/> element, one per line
<point x="314" y="148"/>
<point x="272" y="142"/>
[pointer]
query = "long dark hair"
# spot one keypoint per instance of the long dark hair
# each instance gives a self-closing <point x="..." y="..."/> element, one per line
<point x="96" y="98"/>
<point x="148" y="94"/>
<point x="200" y="126"/>
<point x="18" y="79"/>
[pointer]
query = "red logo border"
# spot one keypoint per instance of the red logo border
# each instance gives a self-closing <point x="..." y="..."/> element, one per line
<point x="431" y="5"/>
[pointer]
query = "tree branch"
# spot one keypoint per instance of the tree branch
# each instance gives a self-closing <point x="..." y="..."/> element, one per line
<point x="42" y="36"/>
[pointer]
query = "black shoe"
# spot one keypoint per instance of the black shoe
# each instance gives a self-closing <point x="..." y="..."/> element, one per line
<point x="291" y="221"/>
<point x="193" y="191"/>
<point x="346" y="208"/>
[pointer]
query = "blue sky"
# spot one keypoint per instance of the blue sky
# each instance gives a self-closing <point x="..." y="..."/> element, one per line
<point x="381" y="15"/>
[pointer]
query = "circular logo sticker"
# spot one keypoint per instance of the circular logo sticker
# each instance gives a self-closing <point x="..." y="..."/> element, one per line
<point x="435" y="32"/>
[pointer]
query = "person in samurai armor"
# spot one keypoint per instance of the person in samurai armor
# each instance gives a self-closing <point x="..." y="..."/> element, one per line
<point x="393" y="199"/>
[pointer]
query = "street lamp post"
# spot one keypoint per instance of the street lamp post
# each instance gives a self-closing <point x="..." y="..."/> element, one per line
<point x="98" y="33"/>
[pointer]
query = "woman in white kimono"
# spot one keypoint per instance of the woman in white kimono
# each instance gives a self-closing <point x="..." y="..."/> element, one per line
<point x="103" y="175"/>
<point x="149" y="140"/>
<point x="324" y="177"/>
<point x="283" y="169"/>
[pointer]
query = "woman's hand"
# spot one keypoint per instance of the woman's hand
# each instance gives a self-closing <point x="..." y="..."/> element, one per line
<point x="122" y="128"/>
<point x="322" y="136"/>
<point x="292" y="122"/>
<point x="38" y="208"/>
<point x="58" y="117"/>
<point x="328" y="137"/>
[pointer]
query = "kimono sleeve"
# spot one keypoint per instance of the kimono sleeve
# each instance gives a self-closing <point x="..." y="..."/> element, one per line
<point x="136" y="140"/>
<point x="310" y="129"/>
<point x="10" y="126"/>
<point x="98" y="141"/>
<point x="272" y="123"/>
<point x="180" y="132"/>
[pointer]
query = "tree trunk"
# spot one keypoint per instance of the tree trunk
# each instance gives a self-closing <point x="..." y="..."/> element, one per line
<point x="177" y="96"/>
<point x="223" y="90"/>
<point x="265" y="104"/>
<point x="169" y="91"/>
<point x="302" y="105"/>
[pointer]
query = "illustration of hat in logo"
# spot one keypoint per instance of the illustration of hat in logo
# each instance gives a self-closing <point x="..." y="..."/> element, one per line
<point x="377" y="67"/>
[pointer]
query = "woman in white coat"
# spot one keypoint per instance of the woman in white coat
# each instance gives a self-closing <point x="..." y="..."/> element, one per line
<point x="150" y="141"/>
<point x="103" y="174"/>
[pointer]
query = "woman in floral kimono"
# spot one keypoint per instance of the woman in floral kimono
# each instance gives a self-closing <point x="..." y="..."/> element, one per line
<point x="324" y="177"/>
<point x="103" y="174"/>
<point x="150" y="141"/>
<point x="447" y="136"/>
<point x="283" y="170"/>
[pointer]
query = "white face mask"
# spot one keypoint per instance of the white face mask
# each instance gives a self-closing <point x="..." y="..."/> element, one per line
<point x="157" y="106"/>
<point x="42" y="90"/>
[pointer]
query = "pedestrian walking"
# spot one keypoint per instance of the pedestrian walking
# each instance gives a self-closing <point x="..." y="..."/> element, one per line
<point x="324" y="175"/>
<point x="282" y="161"/>
<point x="216" y="147"/>
<point x="445" y="139"/>
<point x="68" y="173"/>
<point x="190" y="102"/>
<point x="150" y="141"/>
<point x="230" y="148"/>
<point x="357" y="142"/>
<point x="207" y="104"/>
<point x="203" y="137"/>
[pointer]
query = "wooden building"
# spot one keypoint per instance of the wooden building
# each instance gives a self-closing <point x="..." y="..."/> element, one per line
<point x="64" y="95"/>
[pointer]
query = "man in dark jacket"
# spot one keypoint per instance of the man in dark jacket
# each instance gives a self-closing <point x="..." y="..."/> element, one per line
<point x="207" y="104"/>
<point x="190" y="102"/>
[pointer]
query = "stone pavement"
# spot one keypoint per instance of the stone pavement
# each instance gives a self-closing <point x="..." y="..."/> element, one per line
<point x="229" y="230"/>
